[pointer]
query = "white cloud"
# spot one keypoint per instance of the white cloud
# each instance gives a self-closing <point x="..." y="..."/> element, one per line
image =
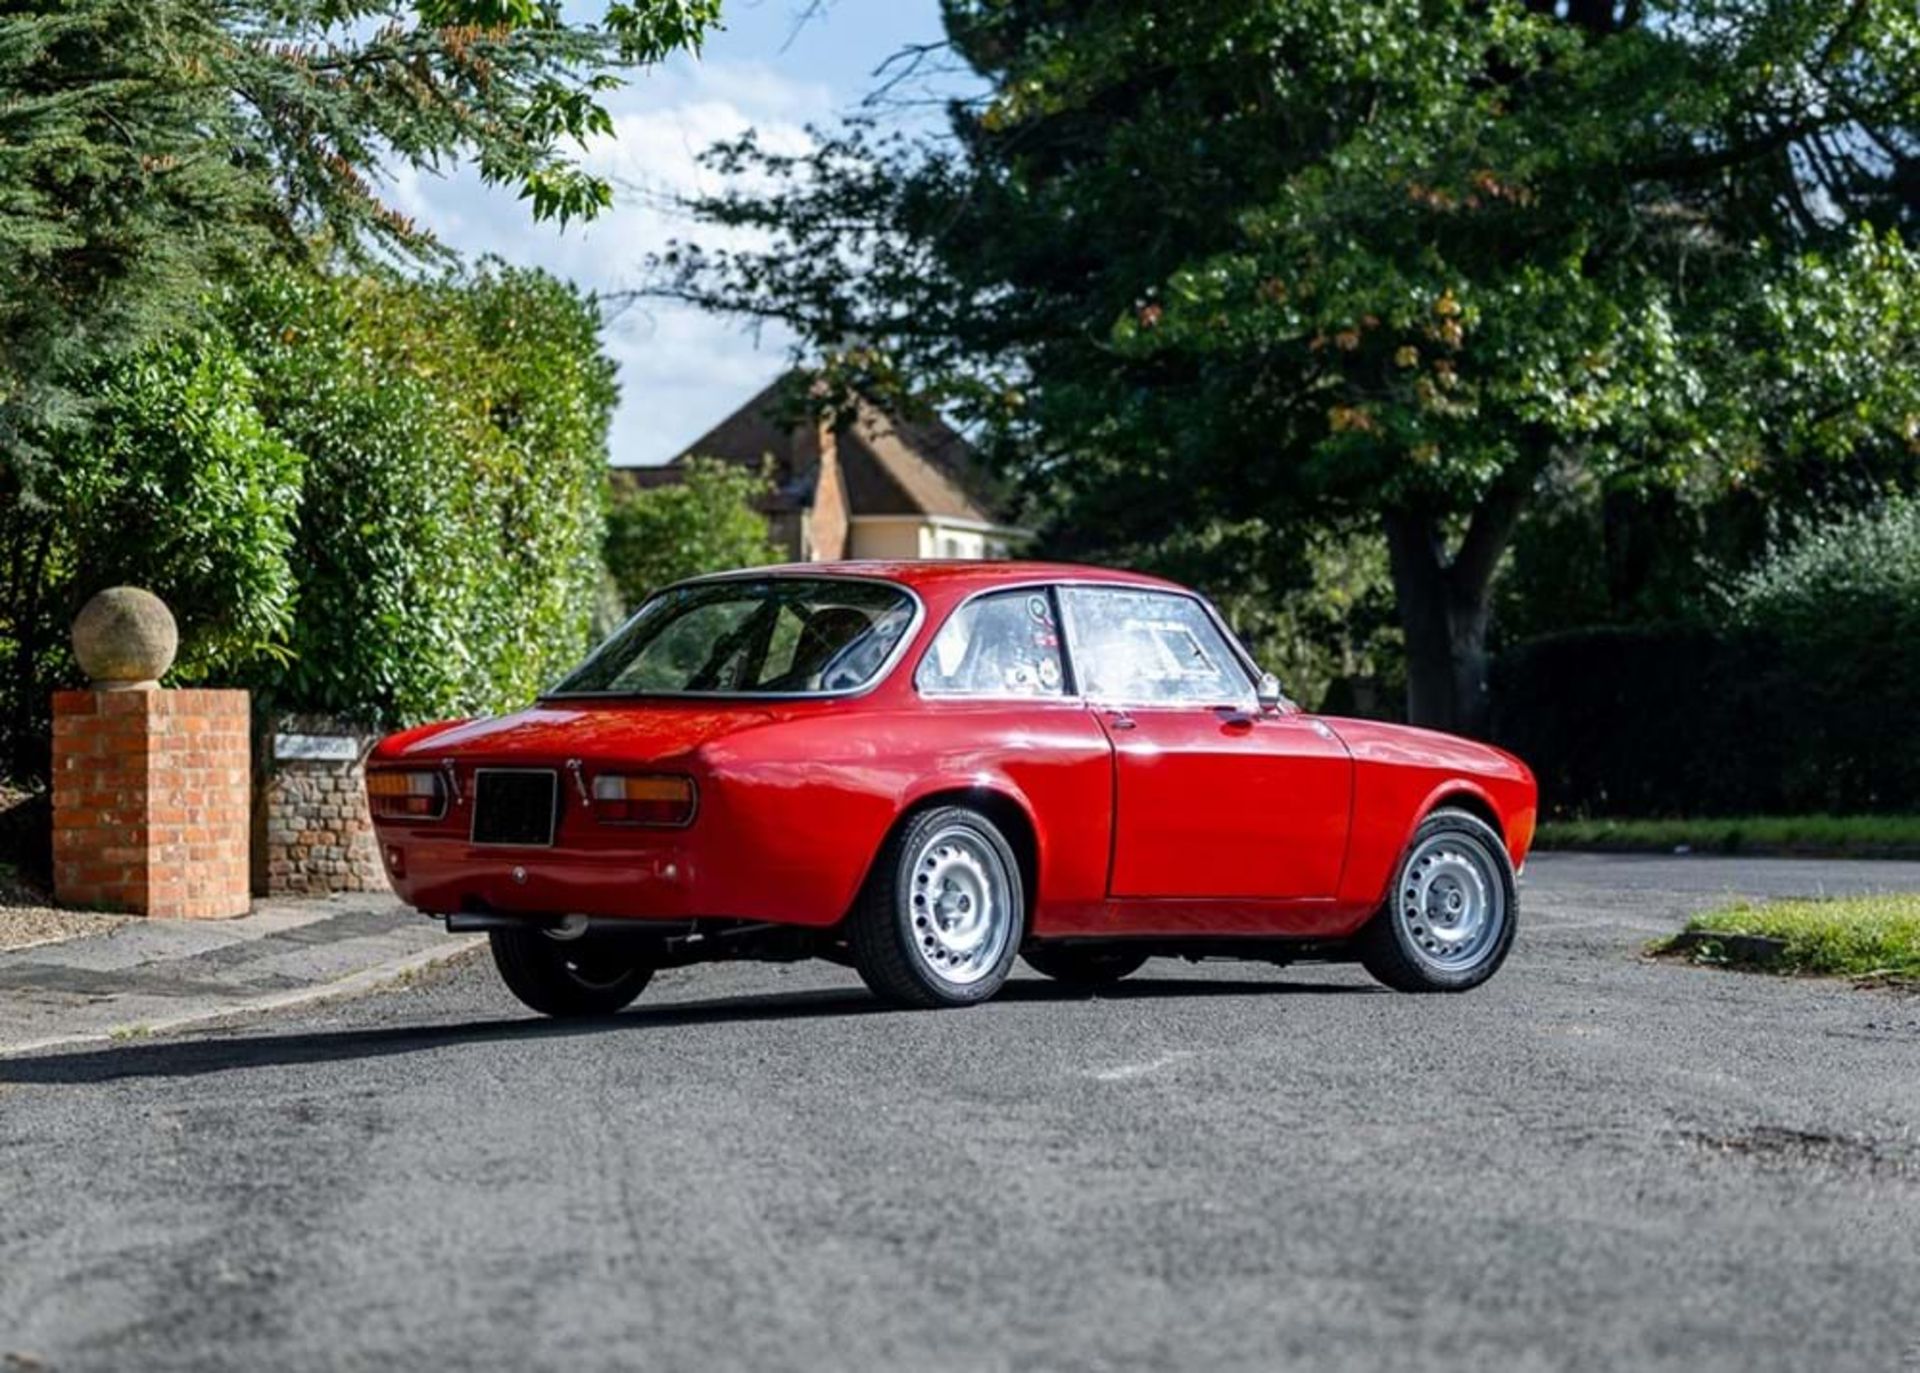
<point x="680" y="369"/>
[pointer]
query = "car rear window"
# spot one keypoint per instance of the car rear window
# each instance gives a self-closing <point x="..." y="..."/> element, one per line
<point x="751" y="636"/>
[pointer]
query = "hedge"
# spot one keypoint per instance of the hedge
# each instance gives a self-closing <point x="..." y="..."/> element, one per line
<point x="364" y="495"/>
<point x="455" y="438"/>
<point x="1804" y="697"/>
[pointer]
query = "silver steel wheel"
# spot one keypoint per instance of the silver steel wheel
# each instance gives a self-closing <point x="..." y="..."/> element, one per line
<point x="1452" y="902"/>
<point x="959" y="905"/>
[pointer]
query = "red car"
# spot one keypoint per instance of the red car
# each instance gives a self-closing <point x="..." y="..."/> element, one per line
<point x="928" y="770"/>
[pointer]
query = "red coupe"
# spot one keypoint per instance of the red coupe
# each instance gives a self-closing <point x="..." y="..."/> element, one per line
<point x="928" y="770"/>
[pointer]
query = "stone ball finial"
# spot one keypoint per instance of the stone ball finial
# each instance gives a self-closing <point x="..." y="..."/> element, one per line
<point x="125" y="639"/>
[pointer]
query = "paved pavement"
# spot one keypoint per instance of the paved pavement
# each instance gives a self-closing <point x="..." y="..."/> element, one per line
<point x="1593" y="1162"/>
<point x="139" y="977"/>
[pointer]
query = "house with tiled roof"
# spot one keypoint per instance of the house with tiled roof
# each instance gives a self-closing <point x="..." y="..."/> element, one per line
<point x="867" y="486"/>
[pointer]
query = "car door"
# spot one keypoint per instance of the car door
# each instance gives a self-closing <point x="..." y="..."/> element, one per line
<point x="1213" y="796"/>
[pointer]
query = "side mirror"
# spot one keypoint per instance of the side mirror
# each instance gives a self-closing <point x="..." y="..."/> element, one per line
<point x="1268" y="692"/>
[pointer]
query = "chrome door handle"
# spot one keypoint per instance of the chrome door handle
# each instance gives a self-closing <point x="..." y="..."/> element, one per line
<point x="1120" y="721"/>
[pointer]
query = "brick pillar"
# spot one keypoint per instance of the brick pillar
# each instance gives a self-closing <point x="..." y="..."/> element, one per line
<point x="150" y="801"/>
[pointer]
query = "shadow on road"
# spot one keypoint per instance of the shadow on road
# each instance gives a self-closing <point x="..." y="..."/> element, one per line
<point x="228" y="1053"/>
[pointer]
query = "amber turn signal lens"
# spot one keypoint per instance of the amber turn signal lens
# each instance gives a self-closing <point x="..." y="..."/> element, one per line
<point x="643" y="800"/>
<point x="395" y="795"/>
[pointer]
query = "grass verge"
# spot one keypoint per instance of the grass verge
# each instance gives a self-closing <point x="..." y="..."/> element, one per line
<point x="1843" y="836"/>
<point x="1855" y="936"/>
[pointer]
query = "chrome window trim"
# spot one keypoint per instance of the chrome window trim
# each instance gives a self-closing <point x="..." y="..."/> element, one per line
<point x="879" y="678"/>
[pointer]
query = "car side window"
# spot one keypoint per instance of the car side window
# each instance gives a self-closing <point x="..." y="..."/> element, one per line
<point x="1151" y="648"/>
<point x="1004" y="644"/>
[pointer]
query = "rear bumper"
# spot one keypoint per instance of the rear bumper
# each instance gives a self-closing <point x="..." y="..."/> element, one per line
<point x="442" y="876"/>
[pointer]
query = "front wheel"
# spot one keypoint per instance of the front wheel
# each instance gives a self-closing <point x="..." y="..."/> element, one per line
<point x="1450" y="917"/>
<point x="943" y="914"/>
<point x="568" y="977"/>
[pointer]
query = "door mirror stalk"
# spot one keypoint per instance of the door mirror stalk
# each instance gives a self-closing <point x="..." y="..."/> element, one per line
<point x="1269" y="694"/>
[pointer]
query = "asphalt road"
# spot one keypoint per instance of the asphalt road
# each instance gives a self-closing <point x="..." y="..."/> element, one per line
<point x="1594" y="1162"/>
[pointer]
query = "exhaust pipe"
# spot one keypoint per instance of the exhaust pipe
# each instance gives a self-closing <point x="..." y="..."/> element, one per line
<point x="568" y="927"/>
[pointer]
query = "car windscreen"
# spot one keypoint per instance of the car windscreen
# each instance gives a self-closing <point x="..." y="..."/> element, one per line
<point x="751" y="636"/>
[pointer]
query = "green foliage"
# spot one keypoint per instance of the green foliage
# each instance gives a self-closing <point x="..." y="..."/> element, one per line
<point x="1842" y="605"/>
<point x="151" y="149"/>
<point x="1840" y="587"/>
<point x="1654" y="720"/>
<point x="1333" y="631"/>
<point x="1796" y="697"/>
<point x="1828" y="370"/>
<point x="1854" y="936"/>
<point x="330" y="93"/>
<point x="1342" y="264"/>
<point x="1853" y="836"/>
<point x="185" y="491"/>
<point x="1836" y="371"/>
<point x="706" y="522"/>
<point x="370" y="496"/>
<point x="149" y="146"/>
<point x="455" y="438"/>
<point x="179" y="486"/>
<point x="116" y="200"/>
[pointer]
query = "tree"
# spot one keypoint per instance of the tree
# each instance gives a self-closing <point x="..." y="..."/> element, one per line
<point x="705" y="522"/>
<point x="113" y="210"/>
<point x="148" y="145"/>
<point x="152" y="148"/>
<point x="1270" y="266"/>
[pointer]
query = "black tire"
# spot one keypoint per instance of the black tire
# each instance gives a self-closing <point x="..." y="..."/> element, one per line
<point x="1389" y="949"/>
<point x="568" y="977"/>
<point x="895" y="949"/>
<point x="1083" y="965"/>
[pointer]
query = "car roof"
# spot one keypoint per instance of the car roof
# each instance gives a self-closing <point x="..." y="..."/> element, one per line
<point x="958" y="573"/>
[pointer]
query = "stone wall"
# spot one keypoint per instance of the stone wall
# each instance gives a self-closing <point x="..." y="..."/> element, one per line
<point x="312" y="833"/>
<point x="150" y="801"/>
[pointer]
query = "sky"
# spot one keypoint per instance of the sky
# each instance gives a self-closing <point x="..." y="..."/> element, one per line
<point x="778" y="65"/>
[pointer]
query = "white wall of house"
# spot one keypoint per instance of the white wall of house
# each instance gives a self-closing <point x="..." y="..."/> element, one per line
<point x="915" y="536"/>
<point x="884" y="538"/>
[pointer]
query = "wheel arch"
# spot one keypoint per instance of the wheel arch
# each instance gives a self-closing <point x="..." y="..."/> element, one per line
<point x="1008" y="813"/>
<point x="1462" y="796"/>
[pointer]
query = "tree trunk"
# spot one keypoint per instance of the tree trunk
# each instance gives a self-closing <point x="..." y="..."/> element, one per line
<point x="1444" y="608"/>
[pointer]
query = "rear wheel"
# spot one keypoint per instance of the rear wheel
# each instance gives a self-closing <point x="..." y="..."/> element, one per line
<point x="942" y="917"/>
<point x="1450" y="917"/>
<point x="1085" y="966"/>
<point x="568" y="977"/>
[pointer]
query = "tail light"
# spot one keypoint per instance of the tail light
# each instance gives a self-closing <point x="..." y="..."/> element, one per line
<point x="643" y="800"/>
<point x="396" y="795"/>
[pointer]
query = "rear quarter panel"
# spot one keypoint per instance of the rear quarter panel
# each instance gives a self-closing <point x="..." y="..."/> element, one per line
<point x="795" y="812"/>
<point x="1401" y="774"/>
